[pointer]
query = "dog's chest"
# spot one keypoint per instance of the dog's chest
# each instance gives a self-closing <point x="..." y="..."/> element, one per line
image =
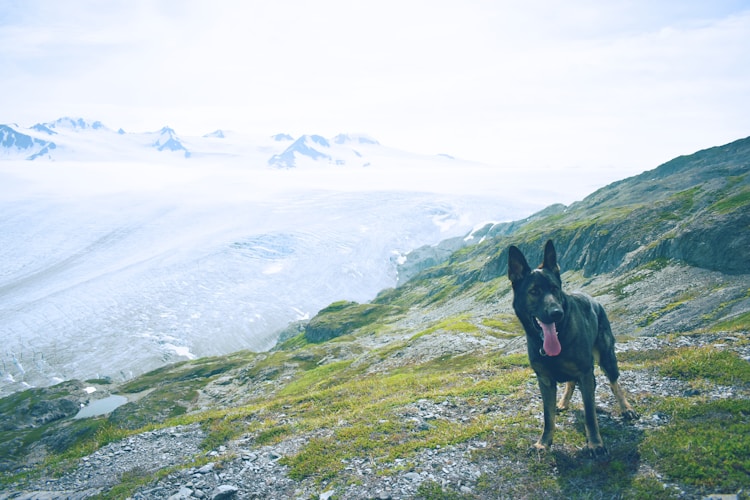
<point x="560" y="368"/>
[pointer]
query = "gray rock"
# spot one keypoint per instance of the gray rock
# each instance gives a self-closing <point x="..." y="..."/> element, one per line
<point x="183" y="494"/>
<point x="224" y="491"/>
<point x="207" y="468"/>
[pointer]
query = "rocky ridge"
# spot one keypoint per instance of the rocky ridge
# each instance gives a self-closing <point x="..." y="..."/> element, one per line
<point x="240" y="469"/>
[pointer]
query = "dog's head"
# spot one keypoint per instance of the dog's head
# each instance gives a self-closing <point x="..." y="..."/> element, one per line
<point x="538" y="299"/>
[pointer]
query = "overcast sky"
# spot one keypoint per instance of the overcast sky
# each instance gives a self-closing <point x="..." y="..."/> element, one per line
<point x="624" y="85"/>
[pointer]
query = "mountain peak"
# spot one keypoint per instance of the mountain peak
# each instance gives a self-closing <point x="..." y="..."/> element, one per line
<point x="354" y="138"/>
<point x="282" y="137"/>
<point x="74" y="124"/>
<point x="308" y="146"/>
<point x="15" y="142"/>
<point x="338" y="151"/>
<point x="317" y="139"/>
<point x="40" y="127"/>
<point x="169" y="141"/>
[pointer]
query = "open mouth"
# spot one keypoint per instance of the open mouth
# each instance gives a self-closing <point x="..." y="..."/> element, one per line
<point x="551" y="344"/>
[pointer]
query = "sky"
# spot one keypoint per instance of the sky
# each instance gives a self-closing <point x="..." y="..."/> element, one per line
<point x="622" y="85"/>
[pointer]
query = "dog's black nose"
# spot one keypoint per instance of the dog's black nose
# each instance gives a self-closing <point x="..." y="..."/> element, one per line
<point x="556" y="314"/>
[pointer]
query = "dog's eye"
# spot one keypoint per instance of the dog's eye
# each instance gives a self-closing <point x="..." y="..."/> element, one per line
<point x="533" y="291"/>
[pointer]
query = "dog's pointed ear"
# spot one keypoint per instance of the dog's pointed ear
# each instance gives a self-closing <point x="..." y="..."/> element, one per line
<point x="550" y="258"/>
<point x="518" y="268"/>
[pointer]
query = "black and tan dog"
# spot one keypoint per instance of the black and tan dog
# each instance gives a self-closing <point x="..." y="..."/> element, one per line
<point x="565" y="332"/>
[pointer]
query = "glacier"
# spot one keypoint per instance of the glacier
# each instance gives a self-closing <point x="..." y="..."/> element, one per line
<point x="119" y="261"/>
<point x="113" y="270"/>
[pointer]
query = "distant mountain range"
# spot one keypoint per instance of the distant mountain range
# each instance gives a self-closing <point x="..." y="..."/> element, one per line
<point x="82" y="140"/>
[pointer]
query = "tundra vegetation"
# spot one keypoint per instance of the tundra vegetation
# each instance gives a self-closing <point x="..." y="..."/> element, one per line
<point x="350" y="382"/>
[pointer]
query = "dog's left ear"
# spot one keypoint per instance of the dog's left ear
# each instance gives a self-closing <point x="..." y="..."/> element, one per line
<point x="550" y="258"/>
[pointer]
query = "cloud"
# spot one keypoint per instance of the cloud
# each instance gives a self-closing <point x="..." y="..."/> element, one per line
<point x="543" y="82"/>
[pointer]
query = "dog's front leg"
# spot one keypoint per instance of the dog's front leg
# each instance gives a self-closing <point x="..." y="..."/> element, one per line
<point x="595" y="443"/>
<point x="548" y="388"/>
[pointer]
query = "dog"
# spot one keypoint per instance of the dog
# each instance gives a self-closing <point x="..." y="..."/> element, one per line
<point x="565" y="333"/>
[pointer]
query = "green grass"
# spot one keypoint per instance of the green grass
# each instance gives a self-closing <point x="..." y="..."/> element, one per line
<point x="565" y="471"/>
<point x="430" y="490"/>
<point x="739" y="323"/>
<point x="493" y="290"/>
<point x="504" y="324"/>
<point x="705" y="445"/>
<point x="342" y="318"/>
<point x="316" y="379"/>
<point x="325" y="396"/>
<point x="296" y="342"/>
<point x="345" y="413"/>
<point x="733" y="202"/>
<point x="202" y="369"/>
<point x="454" y="324"/>
<point x="363" y="413"/>
<point x="719" y="366"/>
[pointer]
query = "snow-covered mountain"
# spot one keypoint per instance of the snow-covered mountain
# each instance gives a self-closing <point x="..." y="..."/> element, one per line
<point x="77" y="139"/>
<point x="167" y="140"/>
<point x="342" y="150"/>
<point x="16" y="145"/>
<point x="81" y="140"/>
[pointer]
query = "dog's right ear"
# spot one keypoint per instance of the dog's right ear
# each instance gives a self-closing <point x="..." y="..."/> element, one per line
<point x="518" y="268"/>
<point x="550" y="258"/>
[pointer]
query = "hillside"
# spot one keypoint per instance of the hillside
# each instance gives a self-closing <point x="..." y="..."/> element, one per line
<point x="426" y="391"/>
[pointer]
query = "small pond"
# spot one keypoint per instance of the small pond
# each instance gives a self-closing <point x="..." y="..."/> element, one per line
<point x="101" y="406"/>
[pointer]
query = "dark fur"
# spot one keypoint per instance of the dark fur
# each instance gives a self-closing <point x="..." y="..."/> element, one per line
<point x="584" y="333"/>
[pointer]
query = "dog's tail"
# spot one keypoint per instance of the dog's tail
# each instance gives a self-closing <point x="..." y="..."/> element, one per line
<point x="605" y="344"/>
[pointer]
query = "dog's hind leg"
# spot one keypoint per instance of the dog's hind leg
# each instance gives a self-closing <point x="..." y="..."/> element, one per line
<point x="627" y="411"/>
<point x="608" y="362"/>
<point x="567" y="395"/>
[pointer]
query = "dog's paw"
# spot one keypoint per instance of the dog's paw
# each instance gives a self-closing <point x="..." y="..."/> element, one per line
<point x="630" y="415"/>
<point x="538" y="447"/>
<point x="598" y="452"/>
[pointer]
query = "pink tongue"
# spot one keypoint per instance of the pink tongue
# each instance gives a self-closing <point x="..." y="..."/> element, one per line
<point x="551" y="344"/>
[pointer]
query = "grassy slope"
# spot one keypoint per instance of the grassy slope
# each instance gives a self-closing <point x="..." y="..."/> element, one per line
<point x="448" y="337"/>
<point x="351" y="398"/>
